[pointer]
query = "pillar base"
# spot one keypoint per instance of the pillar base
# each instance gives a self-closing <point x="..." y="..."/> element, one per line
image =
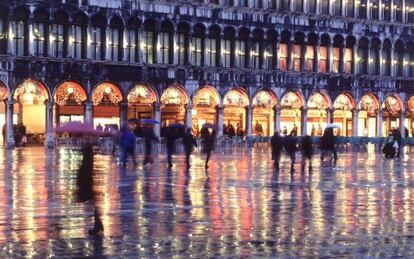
<point x="50" y="141"/>
<point x="10" y="145"/>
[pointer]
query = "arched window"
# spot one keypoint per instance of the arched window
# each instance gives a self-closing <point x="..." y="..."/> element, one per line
<point x="182" y="43"/>
<point x="297" y="51"/>
<point x="198" y="45"/>
<point x="148" y="42"/>
<point x="241" y="49"/>
<point x="115" y="35"/>
<point x="338" y="45"/>
<point x="299" y="5"/>
<point x="269" y="55"/>
<point x="386" y="7"/>
<point x="79" y="35"/>
<point x="362" y="9"/>
<point x="283" y="52"/>
<point x="324" y="5"/>
<point x="3" y="31"/>
<point x="212" y="43"/>
<point x="284" y="5"/>
<point x="323" y="53"/>
<point x="19" y="29"/>
<point x="243" y="3"/>
<point x="349" y="8"/>
<point x="399" y="56"/>
<point x="310" y="52"/>
<point x="98" y="37"/>
<point x="410" y="59"/>
<point x="374" y="9"/>
<point x="256" y="49"/>
<point x="131" y="40"/>
<point x="398" y="9"/>
<point x="312" y="6"/>
<point x="410" y="11"/>
<point x="39" y="32"/>
<point x="386" y="57"/>
<point x="374" y="57"/>
<point x="257" y="3"/>
<point x="227" y="47"/>
<point x="349" y="53"/>
<point x="166" y="42"/>
<point x="363" y="56"/>
<point x="58" y="35"/>
<point x="337" y="7"/>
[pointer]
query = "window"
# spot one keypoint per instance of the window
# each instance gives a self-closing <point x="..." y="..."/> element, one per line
<point x="348" y="60"/>
<point x="283" y="54"/>
<point x="197" y="51"/>
<point x="312" y="6"/>
<point x="226" y="53"/>
<point x="181" y="47"/>
<point x="362" y="9"/>
<point x="164" y="38"/>
<point x="257" y="4"/>
<point x="272" y="4"/>
<point x="324" y="6"/>
<point x="336" y="57"/>
<point x="39" y="39"/>
<point x="243" y="3"/>
<point x="362" y="60"/>
<point x="410" y="11"/>
<point x="284" y="5"/>
<point x="336" y="7"/>
<point x="386" y="61"/>
<point x="240" y="54"/>
<point x="148" y="46"/>
<point x="228" y="2"/>
<point x="374" y="9"/>
<point x="113" y="43"/>
<point x="77" y="42"/>
<point x="398" y="10"/>
<point x="256" y="55"/>
<point x="211" y="49"/>
<point x="323" y="59"/>
<point x="96" y="43"/>
<point x="310" y="58"/>
<point x="386" y="7"/>
<point x="373" y="61"/>
<point x="58" y="40"/>
<point x="3" y="38"/>
<point x="299" y="5"/>
<point x="297" y="54"/>
<point x="131" y="45"/>
<point x="268" y="58"/>
<point x="349" y="7"/>
<point x="18" y="38"/>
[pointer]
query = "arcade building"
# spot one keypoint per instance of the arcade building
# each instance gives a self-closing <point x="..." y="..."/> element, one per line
<point x="258" y="65"/>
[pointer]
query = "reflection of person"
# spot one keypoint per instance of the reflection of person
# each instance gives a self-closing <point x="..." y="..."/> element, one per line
<point x="207" y="140"/>
<point x="230" y="131"/>
<point x="189" y="143"/>
<point x="291" y="146"/>
<point x="171" y="136"/>
<point x="85" y="191"/>
<point x="277" y="146"/>
<point x="307" y="151"/>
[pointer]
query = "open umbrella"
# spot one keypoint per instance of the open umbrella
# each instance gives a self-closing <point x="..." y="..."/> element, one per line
<point x="76" y="127"/>
<point x="331" y="125"/>
<point x="209" y="126"/>
<point x="149" y="121"/>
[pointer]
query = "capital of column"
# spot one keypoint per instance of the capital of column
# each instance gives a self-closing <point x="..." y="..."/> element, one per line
<point x="123" y="104"/>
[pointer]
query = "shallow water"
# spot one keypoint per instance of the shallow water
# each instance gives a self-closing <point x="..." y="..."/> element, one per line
<point x="360" y="206"/>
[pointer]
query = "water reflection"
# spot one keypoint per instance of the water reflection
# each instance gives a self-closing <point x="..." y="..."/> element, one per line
<point x="240" y="207"/>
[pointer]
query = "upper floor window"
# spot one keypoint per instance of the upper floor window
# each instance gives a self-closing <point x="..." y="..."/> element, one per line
<point x="113" y="44"/>
<point x="131" y="43"/>
<point x="197" y="51"/>
<point x="336" y="53"/>
<point x="349" y="8"/>
<point x="226" y="53"/>
<point x="228" y="2"/>
<point x="211" y="50"/>
<point x="348" y="60"/>
<point x="269" y="57"/>
<point x="283" y="54"/>
<point x="256" y="55"/>
<point x="18" y="38"/>
<point x="337" y="7"/>
<point x="410" y="11"/>
<point x="58" y="40"/>
<point x="362" y="8"/>
<point x="284" y="5"/>
<point x="240" y="54"/>
<point x="164" y="38"/>
<point x="324" y="6"/>
<point x="39" y="39"/>
<point x="297" y="57"/>
<point x="299" y="5"/>
<point x="96" y="43"/>
<point x="77" y="42"/>
<point x="398" y="10"/>
<point x="312" y="6"/>
<point x="257" y="3"/>
<point x="374" y="9"/>
<point x="323" y="59"/>
<point x="386" y="7"/>
<point x="310" y="57"/>
<point x="181" y="48"/>
<point x="148" y="47"/>
<point x="3" y="37"/>
<point x="243" y="3"/>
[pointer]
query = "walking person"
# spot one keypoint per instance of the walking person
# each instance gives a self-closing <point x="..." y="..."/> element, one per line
<point x="396" y="133"/>
<point x="127" y="143"/>
<point x="328" y="143"/>
<point x="149" y="137"/>
<point x="307" y="151"/>
<point x="85" y="191"/>
<point x="189" y="143"/>
<point x="207" y="140"/>
<point x="277" y="146"/>
<point x="291" y="147"/>
<point x="171" y="136"/>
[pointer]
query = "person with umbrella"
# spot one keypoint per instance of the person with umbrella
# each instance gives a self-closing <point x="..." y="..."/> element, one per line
<point x="208" y="140"/>
<point x="189" y="143"/>
<point x="149" y="137"/>
<point x="173" y="132"/>
<point x="127" y="143"/>
<point x="328" y="141"/>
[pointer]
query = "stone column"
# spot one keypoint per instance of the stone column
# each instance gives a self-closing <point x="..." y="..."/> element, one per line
<point x="402" y="123"/>
<point x="88" y="113"/>
<point x="220" y="120"/>
<point x="355" y="120"/>
<point x="330" y="59"/>
<point x="379" y="123"/>
<point x="277" y="118"/>
<point x="249" y="111"/>
<point x="157" y="109"/>
<point x="317" y="56"/>
<point x="304" y="121"/>
<point x="30" y="35"/>
<point x="189" y="116"/>
<point x="330" y="113"/>
<point x="290" y="55"/>
<point x="123" y="113"/>
<point x="50" y="138"/>
<point x="9" y="124"/>
<point x="10" y="44"/>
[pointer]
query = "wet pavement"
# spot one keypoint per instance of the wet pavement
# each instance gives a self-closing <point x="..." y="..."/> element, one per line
<point x="360" y="206"/>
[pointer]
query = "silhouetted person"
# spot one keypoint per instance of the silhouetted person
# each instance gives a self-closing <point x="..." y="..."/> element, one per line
<point x="139" y="131"/>
<point x="277" y="146"/>
<point x="230" y="131"/>
<point x="294" y="131"/>
<point x="85" y="191"/>
<point x="163" y="132"/>
<point x="291" y="147"/>
<point x="396" y="133"/>
<point x="328" y="143"/>
<point x="171" y="136"/>
<point x="307" y="150"/>
<point x="149" y="137"/>
<point x="189" y="143"/>
<point x="406" y="132"/>
<point x="127" y="143"/>
<point x="207" y="139"/>
<point x="284" y="132"/>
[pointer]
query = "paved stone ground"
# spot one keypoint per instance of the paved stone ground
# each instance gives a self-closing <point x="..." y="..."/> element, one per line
<point x="360" y="206"/>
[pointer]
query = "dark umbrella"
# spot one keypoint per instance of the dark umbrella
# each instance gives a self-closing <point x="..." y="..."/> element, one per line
<point x="149" y="121"/>
<point x="209" y="126"/>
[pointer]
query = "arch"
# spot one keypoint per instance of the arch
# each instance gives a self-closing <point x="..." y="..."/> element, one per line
<point x="111" y="90"/>
<point x="31" y="87"/>
<point x="350" y="42"/>
<point x="133" y="23"/>
<point x="410" y="104"/>
<point x="344" y="101"/>
<point x="299" y="37"/>
<point x="244" y="33"/>
<point x="272" y="35"/>
<point x="41" y="15"/>
<point x="207" y="96"/>
<point x="229" y="32"/>
<point x="368" y="102"/>
<point x="392" y="104"/>
<point x="99" y="20"/>
<point x="183" y="27"/>
<point x="292" y="99"/>
<point x="80" y="18"/>
<point x="199" y="29"/>
<point x="214" y="30"/>
<point x="236" y="97"/>
<point x="61" y="17"/>
<point x="313" y="39"/>
<point x="142" y="94"/>
<point x="285" y="36"/>
<point x="21" y="13"/>
<point x="69" y="90"/>
<point x="258" y="34"/>
<point x="264" y="98"/>
<point x="150" y="24"/>
<point x="338" y="41"/>
<point x="116" y="22"/>
<point x="167" y="26"/>
<point x="325" y="39"/>
<point x="175" y="95"/>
